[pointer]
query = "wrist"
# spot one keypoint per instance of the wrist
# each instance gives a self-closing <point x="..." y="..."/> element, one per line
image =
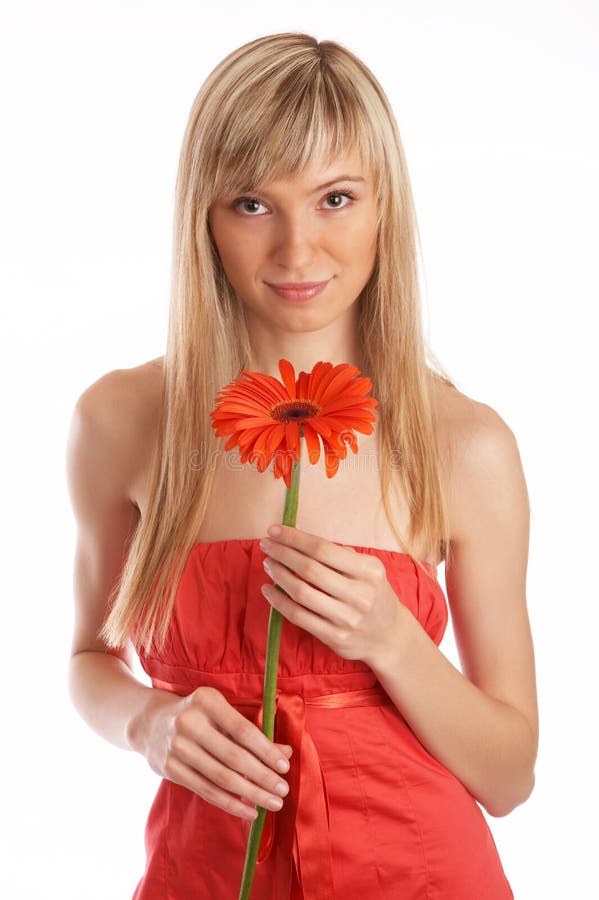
<point x="138" y="728"/>
<point x="393" y="648"/>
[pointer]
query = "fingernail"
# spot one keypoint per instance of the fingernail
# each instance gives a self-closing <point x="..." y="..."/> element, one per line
<point x="282" y="765"/>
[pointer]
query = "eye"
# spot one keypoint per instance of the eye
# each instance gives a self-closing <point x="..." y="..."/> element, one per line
<point x="347" y="194"/>
<point x="245" y="202"/>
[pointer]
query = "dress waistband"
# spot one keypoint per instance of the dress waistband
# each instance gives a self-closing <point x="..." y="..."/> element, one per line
<point x="299" y="832"/>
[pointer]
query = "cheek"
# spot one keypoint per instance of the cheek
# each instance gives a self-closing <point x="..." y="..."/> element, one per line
<point x="370" y="240"/>
<point x="359" y="231"/>
<point x="229" y="244"/>
<point x="360" y="246"/>
<point x="235" y="254"/>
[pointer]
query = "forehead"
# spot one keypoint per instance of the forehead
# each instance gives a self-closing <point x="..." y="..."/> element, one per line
<point x="320" y="170"/>
<point x="314" y="174"/>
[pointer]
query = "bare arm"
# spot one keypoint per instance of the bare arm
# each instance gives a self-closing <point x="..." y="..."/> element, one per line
<point x="100" y="455"/>
<point x="483" y="724"/>
<point x="199" y="741"/>
<point x="111" y="699"/>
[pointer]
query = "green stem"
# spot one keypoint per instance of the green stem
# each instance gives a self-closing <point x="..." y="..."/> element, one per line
<point x="270" y="684"/>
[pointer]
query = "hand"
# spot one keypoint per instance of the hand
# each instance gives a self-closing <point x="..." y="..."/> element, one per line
<point x="340" y="596"/>
<point x="203" y="743"/>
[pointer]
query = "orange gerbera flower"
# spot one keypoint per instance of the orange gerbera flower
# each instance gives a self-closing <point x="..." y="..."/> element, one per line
<point x="263" y="415"/>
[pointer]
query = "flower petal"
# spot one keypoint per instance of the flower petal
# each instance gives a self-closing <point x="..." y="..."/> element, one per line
<point x="232" y="442"/>
<point x="254" y="422"/>
<point x="274" y="439"/>
<point x="331" y="464"/>
<point x="303" y="383"/>
<point x="336" y="384"/>
<point x="258" y="378"/>
<point x="293" y="439"/>
<point x="254" y="435"/>
<point x="312" y="442"/>
<point x="283" y="468"/>
<point x="242" y="407"/>
<point x="288" y="375"/>
<point x="320" y="425"/>
<point x="316" y="375"/>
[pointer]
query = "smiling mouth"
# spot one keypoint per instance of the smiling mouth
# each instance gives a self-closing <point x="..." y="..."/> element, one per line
<point x="297" y="285"/>
<point x="299" y="292"/>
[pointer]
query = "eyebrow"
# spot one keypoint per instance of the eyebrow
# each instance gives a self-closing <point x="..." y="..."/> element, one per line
<point x="320" y="187"/>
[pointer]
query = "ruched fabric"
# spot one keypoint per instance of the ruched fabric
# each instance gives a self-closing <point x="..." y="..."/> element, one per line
<point x="370" y="812"/>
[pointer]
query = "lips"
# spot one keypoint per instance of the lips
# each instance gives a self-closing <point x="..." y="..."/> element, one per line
<point x="297" y="285"/>
<point x="299" y="291"/>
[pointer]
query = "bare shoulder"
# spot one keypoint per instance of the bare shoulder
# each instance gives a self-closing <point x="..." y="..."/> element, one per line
<point x="109" y="432"/>
<point x="479" y="451"/>
<point x="121" y="392"/>
<point x="123" y="406"/>
<point x="458" y="417"/>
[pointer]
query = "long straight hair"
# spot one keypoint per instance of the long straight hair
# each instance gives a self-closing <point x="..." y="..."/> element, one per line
<point x="266" y="111"/>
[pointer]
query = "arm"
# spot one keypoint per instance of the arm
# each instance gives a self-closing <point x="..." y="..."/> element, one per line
<point x="111" y="699"/>
<point x="100" y="465"/>
<point x="199" y="741"/>
<point x="483" y="724"/>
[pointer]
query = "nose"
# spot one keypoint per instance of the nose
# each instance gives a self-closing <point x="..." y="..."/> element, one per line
<point x="295" y="244"/>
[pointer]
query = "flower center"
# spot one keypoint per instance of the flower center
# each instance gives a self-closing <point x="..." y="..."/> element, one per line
<point x="293" y="410"/>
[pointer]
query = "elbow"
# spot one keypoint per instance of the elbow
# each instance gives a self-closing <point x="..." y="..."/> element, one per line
<point x="517" y="785"/>
<point x="507" y="803"/>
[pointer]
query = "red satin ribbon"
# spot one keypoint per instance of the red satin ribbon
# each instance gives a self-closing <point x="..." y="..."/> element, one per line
<point x="299" y="831"/>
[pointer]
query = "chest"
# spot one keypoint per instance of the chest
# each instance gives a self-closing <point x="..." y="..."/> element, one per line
<point x="347" y="507"/>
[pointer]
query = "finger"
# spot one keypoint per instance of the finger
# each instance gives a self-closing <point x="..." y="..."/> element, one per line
<point x="188" y="777"/>
<point x="343" y="559"/>
<point x="315" y="573"/>
<point x="231" y="722"/>
<point x="231" y="768"/>
<point x="301" y="615"/>
<point x="326" y="609"/>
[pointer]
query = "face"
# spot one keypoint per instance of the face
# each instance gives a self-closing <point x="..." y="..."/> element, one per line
<point x="319" y="225"/>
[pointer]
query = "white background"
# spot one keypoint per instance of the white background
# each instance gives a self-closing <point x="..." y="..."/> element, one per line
<point x="497" y="108"/>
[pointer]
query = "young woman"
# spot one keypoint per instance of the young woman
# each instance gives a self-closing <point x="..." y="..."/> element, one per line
<point x="292" y="172"/>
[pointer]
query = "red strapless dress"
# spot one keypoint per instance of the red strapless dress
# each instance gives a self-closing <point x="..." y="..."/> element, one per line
<point x="370" y="814"/>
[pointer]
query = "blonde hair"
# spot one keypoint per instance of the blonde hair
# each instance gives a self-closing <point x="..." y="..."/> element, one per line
<point x="266" y="111"/>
